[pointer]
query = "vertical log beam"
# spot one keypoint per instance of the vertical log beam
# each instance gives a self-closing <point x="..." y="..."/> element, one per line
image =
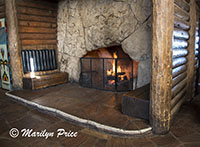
<point x="191" y="49"/>
<point x="161" y="80"/>
<point x="14" y="43"/>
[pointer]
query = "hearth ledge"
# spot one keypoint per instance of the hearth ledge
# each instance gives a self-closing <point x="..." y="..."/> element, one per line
<point x="84" y="122"/>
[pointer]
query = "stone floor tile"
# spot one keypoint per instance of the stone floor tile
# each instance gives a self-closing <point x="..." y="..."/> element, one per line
<point x="79" y="140"/>
<point x="142" y="142"/>
<point x="196" y="144"/>
<point x="120" y="142"/>
<point x="4" y="142"/>
<point x="101" y="143"/>
<point x="190" y="138"/>
<point x="165" y="140"/>
<point x="104" y="108"/>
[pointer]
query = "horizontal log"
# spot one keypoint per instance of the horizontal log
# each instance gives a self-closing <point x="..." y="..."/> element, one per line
<point x="2" y="9"/>
<point x="179" y="53"/>
<point x="182" y="4"/>
<point x="178" y="70"/>
<point x="179" y="23"/>
<point x="39" y="47"/>
<point x="2" y="2"/>
<point x="196" y="46"/>
<point x="45" y="81"/>
<point x="178" y="78"/>
<point x="181" y="13"/>
<point x="29" y="36"/>
<point x="196" y="53"/>
<point x="178" y="61"/>
<point x="36" y="18"/>
<point x="195" y="78"/>
<point x="196" y="60"/>
<point x="196" y="39"/>
<point x="178" y="44"/>
<point x="36" y="11"/>
<point x="180" y="34"/>
<point x="37" y="24"/>
<point x="2" y="15"/>
<point x="178" y="97"/>
<point x="35" y="4"/>
<point x="176" y="89"/>
<point x="36" y="30"/>
<point x="38" y="42"/>
<point x="176" y="108"/>
<point x="197" y="33"/>
<point x="195" y="67"/>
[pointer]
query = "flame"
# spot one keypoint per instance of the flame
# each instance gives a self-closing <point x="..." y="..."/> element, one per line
<point x="112" y="71"/>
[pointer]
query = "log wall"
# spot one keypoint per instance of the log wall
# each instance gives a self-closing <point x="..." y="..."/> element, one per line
<point x="196" y="65"/>
<point x="180" y="51"/>
<point x="2" y="9"/>
<point x="191" y="49"/>
<point x="37" y="22"/>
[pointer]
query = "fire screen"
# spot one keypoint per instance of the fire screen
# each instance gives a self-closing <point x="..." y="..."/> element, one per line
<point x="112" y="74"/>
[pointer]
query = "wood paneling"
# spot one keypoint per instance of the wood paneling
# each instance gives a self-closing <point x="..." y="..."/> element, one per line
<point x="183" y="4"/>
<point x="191" y="49"/>
<point x="182" y="27"/>
<point x="29" y="36"/>
<point x="181" y="13"/>
<point x="183" y="53"/>
<point x="37" y="24"/>
<point x="2" y="9"/>
<point x="179" y="23"/>
<point x="36" y="42"/>
<point x="37" y="4"/>
<point x="36" y="18"/>
<point x="37" y="30"/>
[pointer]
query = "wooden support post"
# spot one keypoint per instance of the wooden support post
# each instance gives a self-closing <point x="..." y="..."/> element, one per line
<point x="161" y="81"/>
<point x="14" y="43"/>
<point x="191" y="49"/>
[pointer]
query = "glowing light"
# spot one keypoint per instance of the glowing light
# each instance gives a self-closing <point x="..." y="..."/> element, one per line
<point x="32" y="68"/>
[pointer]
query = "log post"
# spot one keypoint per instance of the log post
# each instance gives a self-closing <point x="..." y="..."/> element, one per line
<point x="191" y="49"/>
<point x="14" y="43"/>
<point x="161" y="80"/>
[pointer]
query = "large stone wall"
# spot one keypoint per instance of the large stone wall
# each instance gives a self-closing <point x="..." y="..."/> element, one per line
<point x="86" y="25"/>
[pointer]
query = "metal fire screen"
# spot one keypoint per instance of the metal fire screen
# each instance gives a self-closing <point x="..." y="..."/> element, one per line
<point x="112" y="74"/>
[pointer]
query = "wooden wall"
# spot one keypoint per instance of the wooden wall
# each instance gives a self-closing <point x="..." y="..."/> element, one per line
<point x="2" y="9"/>
<point x="196" y="63"/>
<point x="37" y="24"/>
<point x="180" y="51"/>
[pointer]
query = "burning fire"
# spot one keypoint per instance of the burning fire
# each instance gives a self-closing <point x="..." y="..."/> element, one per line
<point x="111" y="72"/>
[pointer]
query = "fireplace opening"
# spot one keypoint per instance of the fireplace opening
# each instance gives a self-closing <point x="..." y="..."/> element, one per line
<point x="108" y="69"/>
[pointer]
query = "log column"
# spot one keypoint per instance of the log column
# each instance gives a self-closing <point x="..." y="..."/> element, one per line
<point x="13" y="43"/>
<point x="161" y="80"/>
<point x="191" y="49"/>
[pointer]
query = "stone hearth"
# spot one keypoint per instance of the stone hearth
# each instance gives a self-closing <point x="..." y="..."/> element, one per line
<point x="84" y="26"/>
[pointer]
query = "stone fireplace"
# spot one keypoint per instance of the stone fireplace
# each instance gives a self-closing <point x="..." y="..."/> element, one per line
<point x="87" y="25"/>
<point x="108" y="69"/>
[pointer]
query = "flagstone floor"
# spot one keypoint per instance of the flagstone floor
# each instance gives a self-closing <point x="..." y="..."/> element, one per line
<point x="91" y="104"/>
<point x="185" y="128"/>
